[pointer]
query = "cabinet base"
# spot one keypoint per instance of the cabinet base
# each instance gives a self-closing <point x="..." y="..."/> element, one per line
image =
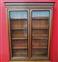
<point x="29" y="61"/>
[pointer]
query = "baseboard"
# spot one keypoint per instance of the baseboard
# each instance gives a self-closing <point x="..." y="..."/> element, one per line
<point x="29" y="61"/>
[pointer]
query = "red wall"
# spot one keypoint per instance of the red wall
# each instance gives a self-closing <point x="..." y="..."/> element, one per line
<point x="4" y="43"/>
<point x="54" y="39"/>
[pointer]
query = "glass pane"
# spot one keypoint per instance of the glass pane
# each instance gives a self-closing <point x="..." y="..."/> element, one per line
<point x="40" y="13"/>
<point x="18" y="27"/>
<point x="40" y="31"/>
<point x="18" y="14"/>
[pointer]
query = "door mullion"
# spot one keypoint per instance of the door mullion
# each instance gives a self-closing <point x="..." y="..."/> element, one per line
<point x="29" y="35"/>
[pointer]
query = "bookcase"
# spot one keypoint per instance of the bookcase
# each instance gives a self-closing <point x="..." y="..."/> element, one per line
<point x="29" y="31"/>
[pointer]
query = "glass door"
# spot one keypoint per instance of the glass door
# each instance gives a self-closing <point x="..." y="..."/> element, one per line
<point x="29" y="31"/>
<point x="19" y="33"/>
<point x="40" y="33"/>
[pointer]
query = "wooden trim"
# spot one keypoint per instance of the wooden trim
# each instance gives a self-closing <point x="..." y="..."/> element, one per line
<point x="9" y="35"/>
<point x="11" y="8"/>
<point x="29" y="4"/>
<point x="50" y="30"/>
<point x="29" y="36"/>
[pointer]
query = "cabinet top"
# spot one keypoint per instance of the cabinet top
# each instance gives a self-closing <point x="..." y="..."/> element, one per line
<point x="29" y="4"/>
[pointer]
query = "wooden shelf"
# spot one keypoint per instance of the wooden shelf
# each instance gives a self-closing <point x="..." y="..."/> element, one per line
<point x="18" y="58"/>
<point x="19" y="29"/>
<point x="41" y="58"/>
<point x="19" y="38"/>
<point x="39" y="35"/>
<point x="35" y="18"/>
<point x="39" y="38"/>
<point x="39" y="28"/>
<point x="22" y="47"/>
<point x="39" y="47"/>
<point x="22" y="19"/>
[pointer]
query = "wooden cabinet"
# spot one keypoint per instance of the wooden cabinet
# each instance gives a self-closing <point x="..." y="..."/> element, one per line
<point x="29" y="31"/>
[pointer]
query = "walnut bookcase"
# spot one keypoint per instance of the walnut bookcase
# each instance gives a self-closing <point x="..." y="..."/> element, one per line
<point x="29" y="30"/>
